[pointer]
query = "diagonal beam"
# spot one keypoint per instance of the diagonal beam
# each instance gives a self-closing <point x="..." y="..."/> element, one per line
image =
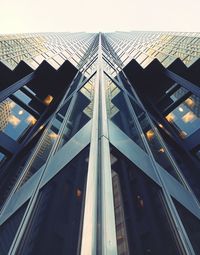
<point x="70" y="150"/>
<point x="15" y="86"/>
<point x="142" y="160"/>
<point x="194" y="88"/>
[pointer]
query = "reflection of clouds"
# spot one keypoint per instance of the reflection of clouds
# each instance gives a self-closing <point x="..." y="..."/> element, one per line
<point x="31" y="120"/>
<point x="13" y="120"/>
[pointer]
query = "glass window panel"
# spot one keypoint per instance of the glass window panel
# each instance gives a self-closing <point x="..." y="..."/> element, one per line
<point x="22" y="96"/>
<point x="14" y="119"/>
<point x="185" y="118"/>
<point x="53" y="63"/>
<point x="78" y="115"/>
<point x="140" y="227"/>
<point x="42" y="150"/>
<point x="191" y="224"/>
<point x="178" y="94"/>
<point x="62" y="200"/>
<point x="58" y="59"/>
<point x="155" y="144"/>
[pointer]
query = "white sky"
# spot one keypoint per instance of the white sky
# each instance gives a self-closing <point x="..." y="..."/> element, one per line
<point x="98" y="15"/>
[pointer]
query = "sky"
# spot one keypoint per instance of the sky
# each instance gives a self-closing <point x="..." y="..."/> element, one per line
<point x="20" y="16"/>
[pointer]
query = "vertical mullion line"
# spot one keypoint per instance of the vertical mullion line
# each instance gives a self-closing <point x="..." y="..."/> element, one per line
<point x="180" y="230"/>
<point x="109" y="242"/>
<point x="89" y="231"/>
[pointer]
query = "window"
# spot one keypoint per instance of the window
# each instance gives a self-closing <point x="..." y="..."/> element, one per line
<point x="14" y="119"/>
<point x="185" y="117"/>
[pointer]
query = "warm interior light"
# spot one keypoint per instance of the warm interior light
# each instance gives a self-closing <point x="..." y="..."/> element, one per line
<point x="150" y="134"/>
<point x="13" y="120"/>
<point x="160" y="125"/>
<point x="53" y="135"/>
<point x="48" y="100"/>
<point x="190" y="102"/>
<point x="189" y="117"/>
<point x="140" y="201"/>
<point x="31" y="120"/>
<point x="78" y="192"/>
<point x="170" y="117"/>
<point x="161" y="150"/>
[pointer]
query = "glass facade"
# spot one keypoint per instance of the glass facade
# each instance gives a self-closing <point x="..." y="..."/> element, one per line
<point x="100" y="147"/>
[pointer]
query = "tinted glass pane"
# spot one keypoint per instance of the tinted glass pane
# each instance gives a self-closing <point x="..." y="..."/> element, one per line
<point x="14" y="119"/>
<point x="186" y="118"/>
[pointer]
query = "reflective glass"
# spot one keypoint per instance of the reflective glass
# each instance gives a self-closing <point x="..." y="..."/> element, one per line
<point x="154" y="141"/>
<point x="120" y="113"/>
<point x="55" y="224"/>
<point x="15" y="121"/>
<point x="79" y="113"/>
<point x="143" y="225"/>
<point x="191" y="225"/>
<point x="185" y="118"/>
<point x="43" y="149"/>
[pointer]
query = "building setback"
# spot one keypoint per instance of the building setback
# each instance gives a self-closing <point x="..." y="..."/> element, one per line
<point x="100" y="143"/>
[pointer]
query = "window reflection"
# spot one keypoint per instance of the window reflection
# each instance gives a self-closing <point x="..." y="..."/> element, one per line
<point x="22" y="96"/>
<point x="3" y="158"/>
<point x="14" y="119"/>
<point x="48" y="100"/>
<point x="185" y="117"/>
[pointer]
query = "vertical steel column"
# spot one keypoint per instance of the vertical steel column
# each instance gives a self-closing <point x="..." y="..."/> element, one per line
<point x="89" y="232"/>
<point x="99" y="233"/>
<point x="33" y="200"/>
<point x="109" y="244"/>
<point x="185" y="244"/>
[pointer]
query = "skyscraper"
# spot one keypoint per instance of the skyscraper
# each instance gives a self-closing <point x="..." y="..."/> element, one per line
<point x="100" y="144"/>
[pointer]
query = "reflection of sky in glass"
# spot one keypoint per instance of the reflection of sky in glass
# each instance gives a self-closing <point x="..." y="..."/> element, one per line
<point x="1" y="156"/>
<point x="184" y="119"/>
<point x="178" y="94"/>
<point x="18" y="121"/>
<point x="23" y="97"/>
<point x="27" y="88"/>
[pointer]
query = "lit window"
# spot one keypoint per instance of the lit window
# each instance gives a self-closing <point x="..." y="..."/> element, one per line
<point x="150" y="134"/>
<point x="190" y="102"/>
<point x="13" y="120"/>
<point x="48" y="100"/>
<point x="189" y="117"/>
<point x="170" y="117"/>
<point x="78" y="192"/>
<point x="31" y="120"/>
<point x="53" y="135"/>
